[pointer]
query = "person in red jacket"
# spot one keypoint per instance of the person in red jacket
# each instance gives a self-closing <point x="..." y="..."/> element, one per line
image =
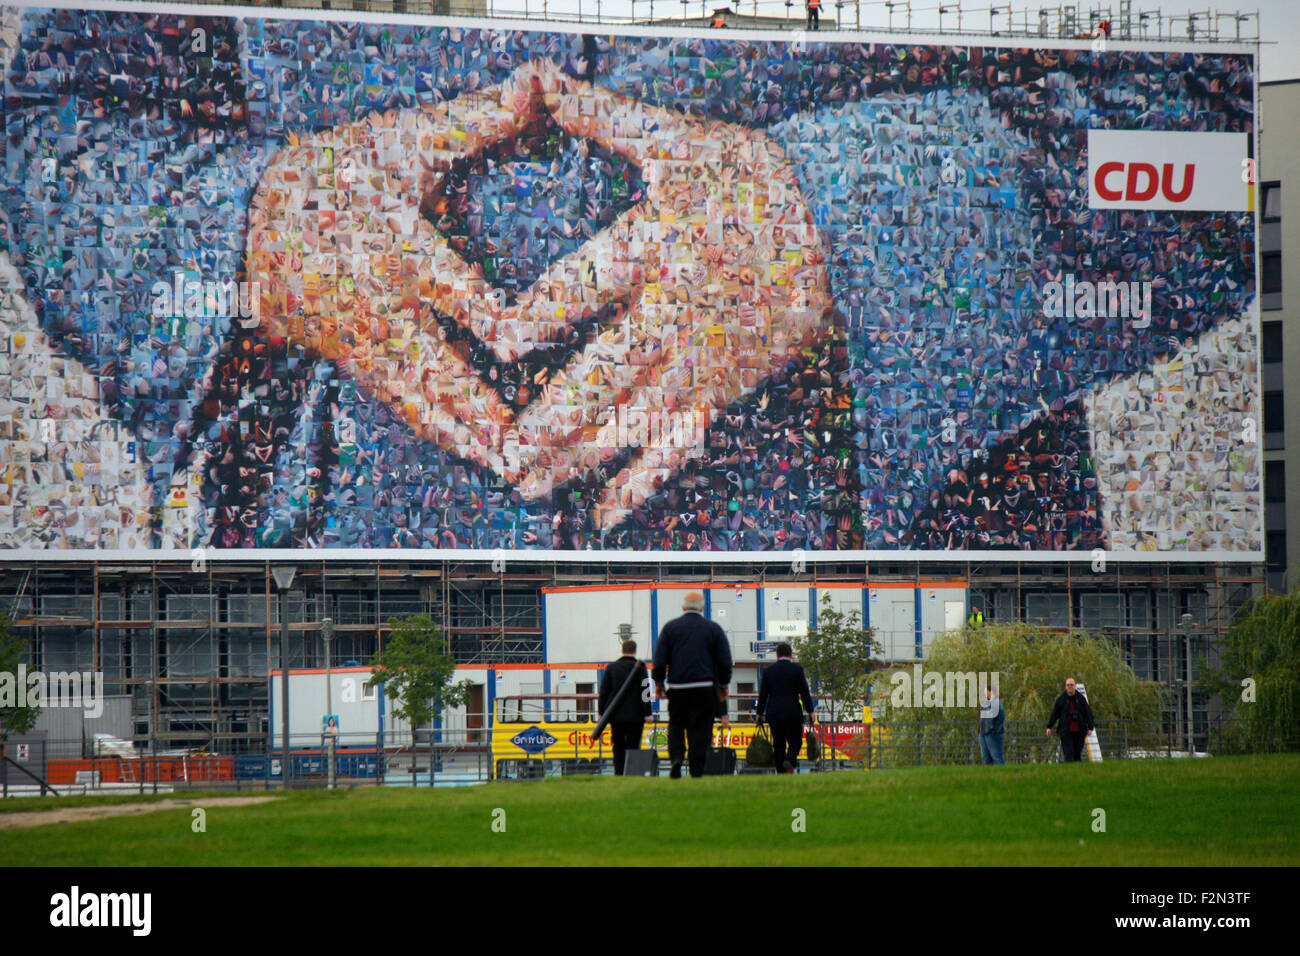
<point x="814" y="13"/>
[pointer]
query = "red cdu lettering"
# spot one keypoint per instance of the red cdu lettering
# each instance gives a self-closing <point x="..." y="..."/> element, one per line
<point x="1167" y="182"/>
<point x="1131" y="191"/>
<point x="1141" y="182"/>
<point x="1104" y="191"/>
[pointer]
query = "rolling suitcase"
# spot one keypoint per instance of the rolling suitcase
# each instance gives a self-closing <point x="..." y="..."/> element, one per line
<point x="643" y="763"/>
<point x="721" y="761"/>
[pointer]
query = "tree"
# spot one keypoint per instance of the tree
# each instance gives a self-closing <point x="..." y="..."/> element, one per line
<point x="416" y="671"/>
<point x="1028" y="665"/>
<point x="836" y="653"/>
<point x="1258" y="674"/>
<point x="17" y="713"/>
<point x="14" y="719"/>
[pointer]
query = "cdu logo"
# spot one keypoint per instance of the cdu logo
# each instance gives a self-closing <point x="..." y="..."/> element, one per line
<point x="534" y="740"/>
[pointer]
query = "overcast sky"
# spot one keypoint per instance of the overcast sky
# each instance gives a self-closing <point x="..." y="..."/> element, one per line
<point x="1279" y="19"/>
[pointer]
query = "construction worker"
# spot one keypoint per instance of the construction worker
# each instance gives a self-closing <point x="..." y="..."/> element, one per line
<point x="814" y="13"/>
<point x="718" y="20"/>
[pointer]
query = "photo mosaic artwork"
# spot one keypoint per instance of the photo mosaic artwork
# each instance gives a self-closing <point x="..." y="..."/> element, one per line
<point x="289" y="282"/>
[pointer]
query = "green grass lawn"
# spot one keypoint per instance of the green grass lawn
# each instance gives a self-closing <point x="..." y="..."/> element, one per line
<point x="1218" y="811"/>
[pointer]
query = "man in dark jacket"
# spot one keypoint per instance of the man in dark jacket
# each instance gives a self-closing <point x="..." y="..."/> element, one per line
<point x="628" y="722"/>
<point x="993" y="725"/>
<point x="692" y="670"/>
<point x="783" y="687"/>
<point x="1073" y="719"/>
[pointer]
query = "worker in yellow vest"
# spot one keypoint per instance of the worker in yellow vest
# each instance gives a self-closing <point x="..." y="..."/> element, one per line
<point x="814" y="13"/>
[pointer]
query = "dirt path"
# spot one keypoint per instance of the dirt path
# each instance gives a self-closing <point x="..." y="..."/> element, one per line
<point x="36" y="818"/>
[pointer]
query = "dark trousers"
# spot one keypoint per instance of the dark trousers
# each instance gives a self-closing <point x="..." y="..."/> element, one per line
<point x="625" y="735"/>
<point x="814" y="17"/>
<point x="1072" y="745"/>
<point x="787" y="739"/>
<point x="690" y="721"/>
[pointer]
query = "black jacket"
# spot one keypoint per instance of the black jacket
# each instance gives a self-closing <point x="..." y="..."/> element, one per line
<point x="783" y="686"/>
<point x="997" y="724"/>
<point x="1061" y="714"/>
<point x="635" y="704"/>
<point x="693" y="651"/>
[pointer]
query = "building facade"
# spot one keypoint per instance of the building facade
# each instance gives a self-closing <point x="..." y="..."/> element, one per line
<point x="1279" y="216"/>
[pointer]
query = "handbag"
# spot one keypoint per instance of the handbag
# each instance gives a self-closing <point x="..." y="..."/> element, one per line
<point x="721" y="760"/>
<point x="812" y="745"/>
<point x="759" y="753"/>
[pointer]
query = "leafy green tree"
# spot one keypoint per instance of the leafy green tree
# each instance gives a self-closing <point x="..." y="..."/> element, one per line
<point x="417" y="670"/>
<point x="1031" y="664"/>
<point x="837" y="654"/>
<point x="1258" y="674"/>
<point x="13" y="651"/>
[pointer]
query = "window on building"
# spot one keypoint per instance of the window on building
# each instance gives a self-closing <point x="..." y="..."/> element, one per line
<point x="1274" y="413"/>
<point x="1051" y="610"/>
<point x="1271" y="350"/>
<point x="1100" y="611"/>
<point x="1271" y="277"/>
<point x="1275" y="550"/>
<point x="1275" y="482"/>
<point x="1270" y="205"/>
<point x="586" y="707"/>
<point x="744" y="707"/>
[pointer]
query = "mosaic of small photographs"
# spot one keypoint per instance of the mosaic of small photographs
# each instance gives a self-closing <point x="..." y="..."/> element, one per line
<point x="1168" y="485"/>
<point x="292" y="283"/>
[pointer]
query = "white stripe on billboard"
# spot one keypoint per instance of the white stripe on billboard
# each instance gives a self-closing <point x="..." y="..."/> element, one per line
<point x="1149" y="169"/>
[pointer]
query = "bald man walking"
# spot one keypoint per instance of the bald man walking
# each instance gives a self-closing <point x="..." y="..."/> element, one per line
<point x="692" y="669"/>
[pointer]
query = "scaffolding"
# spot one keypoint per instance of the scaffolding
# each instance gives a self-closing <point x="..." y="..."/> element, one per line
<point x="193" y="648"/>
<point x="1127" y="19"/>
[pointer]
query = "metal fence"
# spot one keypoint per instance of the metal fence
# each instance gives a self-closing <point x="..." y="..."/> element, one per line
<point x="460" y="757"/>
<point x="452" y="758"/>
<point x="932" y="743"/>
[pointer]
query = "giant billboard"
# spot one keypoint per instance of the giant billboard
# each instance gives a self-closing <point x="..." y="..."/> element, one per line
<point x="362" y="285"/>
